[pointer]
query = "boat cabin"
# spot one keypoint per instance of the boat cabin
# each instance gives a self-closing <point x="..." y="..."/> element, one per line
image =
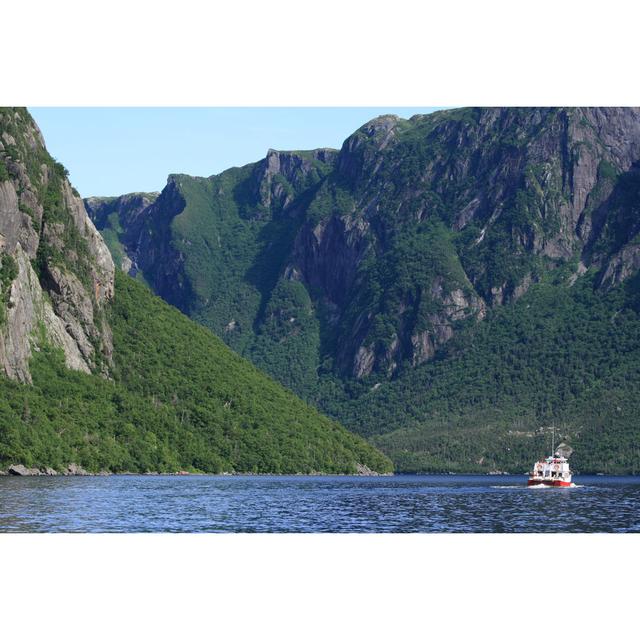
<point x="551" y="470"/>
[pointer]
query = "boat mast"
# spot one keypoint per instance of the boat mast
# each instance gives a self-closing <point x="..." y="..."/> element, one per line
<point x="553" y="438"/>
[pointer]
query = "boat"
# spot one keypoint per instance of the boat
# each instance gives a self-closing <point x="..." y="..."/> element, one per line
<point x="552" y="471"/>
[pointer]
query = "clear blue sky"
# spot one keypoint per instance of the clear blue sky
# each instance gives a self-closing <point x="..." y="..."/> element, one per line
<point x="112" y="150"/>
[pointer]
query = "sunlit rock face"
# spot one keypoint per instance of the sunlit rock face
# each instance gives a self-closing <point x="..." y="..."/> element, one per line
<point x="57" y="272"/>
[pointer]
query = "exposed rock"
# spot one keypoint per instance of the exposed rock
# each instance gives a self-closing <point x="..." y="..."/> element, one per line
<point x="8" y="139"/>
<point x="270" y="190"/>
<point x="127" y="265"/>
<point x="563" y="449"/>
<point x="74" y="307"/>
<point x="327" y="254"/>
<point x="21" y="470"/>
<point x="581" y="270"/>
<point x="28" y="311"/>
<point x="131" y="211"/>
<point x="621" y="266"/>
<point x="16" y="226"/>
<point x="156" y="255"/>
<point x="467" y="214"/>
<point x="363" y="470"/>
<point x="102" y="263"/>
<point x="523" y="287"/>
<point x="75" y="470"/>
<point x="58" y="303"/>
<point x="423" y="347"/>
<point x="363" y="362"/>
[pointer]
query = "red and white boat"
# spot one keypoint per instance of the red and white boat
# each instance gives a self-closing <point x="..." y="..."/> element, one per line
<point x="552" y="471"/>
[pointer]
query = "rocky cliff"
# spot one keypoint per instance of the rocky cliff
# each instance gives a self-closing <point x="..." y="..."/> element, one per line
<point x="445" y="215"/>
<point x="411" y="231"/>
<point x="56" y="273"/>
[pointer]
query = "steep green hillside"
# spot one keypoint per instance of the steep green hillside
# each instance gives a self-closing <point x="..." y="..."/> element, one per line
<point x="180" y="399"/>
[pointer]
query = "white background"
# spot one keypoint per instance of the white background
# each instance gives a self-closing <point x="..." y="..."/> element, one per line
<point x="331" y="53"/>
<point x="335" y="52"/>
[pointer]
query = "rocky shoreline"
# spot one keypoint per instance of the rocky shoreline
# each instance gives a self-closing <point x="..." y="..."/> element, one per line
<point x="76" y="470"/>
<point x="70" y="470"/>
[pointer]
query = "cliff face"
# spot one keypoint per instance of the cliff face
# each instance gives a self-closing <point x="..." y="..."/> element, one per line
<point x="213" y="247"/>
<point x="56" y="273"/>
<point x="413" y="230"/>
<point x="120" y="221"/>
<point x="445" y="215"/>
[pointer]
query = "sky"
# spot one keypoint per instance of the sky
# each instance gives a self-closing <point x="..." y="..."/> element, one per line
<point x="112" y="150"/>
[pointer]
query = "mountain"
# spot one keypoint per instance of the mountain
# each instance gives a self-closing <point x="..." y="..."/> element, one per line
<point x="448" y="285"/>
<point x="98" y="373"/>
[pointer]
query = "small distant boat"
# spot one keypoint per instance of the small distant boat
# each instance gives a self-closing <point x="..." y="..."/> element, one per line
<point x="552" y="471"/>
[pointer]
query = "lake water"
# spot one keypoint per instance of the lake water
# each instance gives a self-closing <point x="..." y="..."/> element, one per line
<point x="316" y="504"/>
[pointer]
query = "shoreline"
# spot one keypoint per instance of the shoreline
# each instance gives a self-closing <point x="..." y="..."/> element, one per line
<point x="21" y="471"/>
<point x="73" y="470"/>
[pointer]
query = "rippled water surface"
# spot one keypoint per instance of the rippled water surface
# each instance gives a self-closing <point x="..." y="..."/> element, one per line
<point x="316" y="504"/>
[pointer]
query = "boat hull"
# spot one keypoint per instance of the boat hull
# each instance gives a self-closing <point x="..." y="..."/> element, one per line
<point x="548" y="483"/>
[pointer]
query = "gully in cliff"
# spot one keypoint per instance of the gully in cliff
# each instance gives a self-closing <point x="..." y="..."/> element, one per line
<point x="552" y="471"/>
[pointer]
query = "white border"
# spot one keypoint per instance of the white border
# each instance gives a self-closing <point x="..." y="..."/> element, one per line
<point x="334" y="53"/>
<point x="319" y="586"/>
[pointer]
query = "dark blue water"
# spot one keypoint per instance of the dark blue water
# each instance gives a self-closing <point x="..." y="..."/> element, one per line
<point x="316" y="504"/>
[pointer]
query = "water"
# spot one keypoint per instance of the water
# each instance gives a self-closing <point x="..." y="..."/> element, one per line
<point x="316" y="504"/>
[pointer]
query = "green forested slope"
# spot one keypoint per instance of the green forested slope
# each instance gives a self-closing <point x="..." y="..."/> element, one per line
<point x="180" y="399"/>
<point x="559" y="356"/>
